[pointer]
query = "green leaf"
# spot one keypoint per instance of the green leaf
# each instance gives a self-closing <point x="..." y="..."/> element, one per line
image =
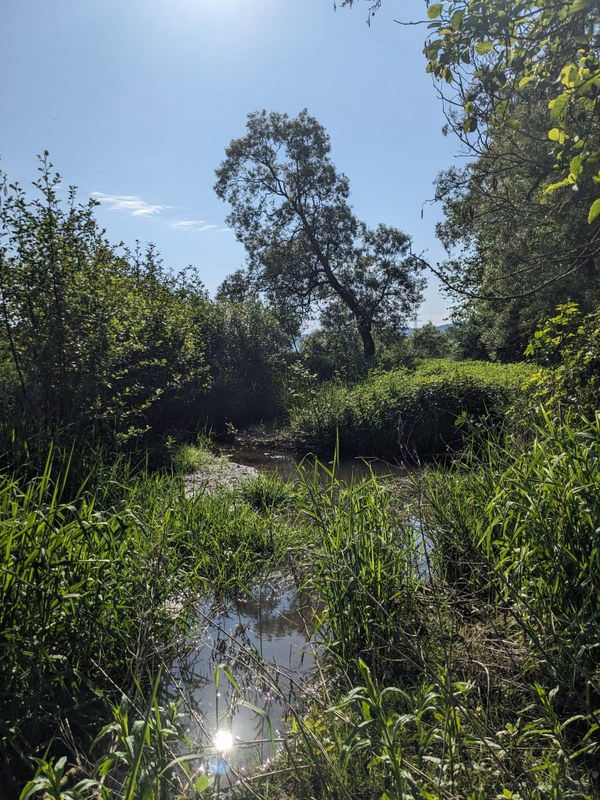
<point x="576" y="166"/>
<point x="556" y="135"/>
<point x="457" y="19"/>
<point x="202" y="783"/>
<point x="580" y="5"/>
<point x="434" y="11"/>
<point x="481" y="48"/>
<point x="594" y="210"/>
<point x="558" y="105"/>
<point x="524" y="81"/>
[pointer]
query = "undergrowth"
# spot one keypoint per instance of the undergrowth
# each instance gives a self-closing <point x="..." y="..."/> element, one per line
<point x="458" y="626"/>
<point x="405" y="413"/>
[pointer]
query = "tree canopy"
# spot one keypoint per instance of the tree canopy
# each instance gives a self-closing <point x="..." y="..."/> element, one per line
<point x="491" y="51"/>
<point x="305" y="247"/>
<point x="512" y="259"/>
<point x="521" y="83"/>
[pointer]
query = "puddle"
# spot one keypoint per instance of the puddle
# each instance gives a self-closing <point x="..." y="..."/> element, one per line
<point x="286" y="465"/>
<point x="244" y="673"/>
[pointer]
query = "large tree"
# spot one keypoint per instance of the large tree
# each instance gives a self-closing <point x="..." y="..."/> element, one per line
<point x="305" y="246"/>
<point x="486" y="54"/>
<point x="512" y="260"/>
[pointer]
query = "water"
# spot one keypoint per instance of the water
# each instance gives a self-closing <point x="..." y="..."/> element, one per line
<point x="271" y="461"/>
<point x="247" y="668"/>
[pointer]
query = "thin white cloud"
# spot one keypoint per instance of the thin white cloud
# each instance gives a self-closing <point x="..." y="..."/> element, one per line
<point x="196" y="225"/>
<point x="193" y="224"/>
<point x="134" y="205"/>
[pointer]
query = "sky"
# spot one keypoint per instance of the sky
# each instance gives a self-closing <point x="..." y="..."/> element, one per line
<point x="136" y="101"/>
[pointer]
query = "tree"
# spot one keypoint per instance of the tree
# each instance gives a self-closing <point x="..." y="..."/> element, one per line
<point x="305" y="247"/>
<point x="91" y="338"/>
<point x="512" y="259"/>
<point x="247" y="353"/>
<point x="490" y="52"/>
<point x="430" y="342"/>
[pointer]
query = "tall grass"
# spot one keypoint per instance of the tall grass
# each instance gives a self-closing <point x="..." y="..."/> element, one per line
<point x="528" y="523"/>
<point x="459" y="623"/>
<point x="365" y="566"/>
<point x="403" y="413"/>
<point x="95" y="585"/>
<point x="481" y="678"/>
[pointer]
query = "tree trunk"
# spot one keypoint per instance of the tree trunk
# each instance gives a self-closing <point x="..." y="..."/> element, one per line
<point x="367" y="339"/>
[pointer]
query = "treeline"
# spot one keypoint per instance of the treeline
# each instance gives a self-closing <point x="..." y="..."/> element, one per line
<point x="103" y="343"/>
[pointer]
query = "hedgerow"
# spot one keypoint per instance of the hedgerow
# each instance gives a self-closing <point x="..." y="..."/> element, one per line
<point x="406" y="413"/>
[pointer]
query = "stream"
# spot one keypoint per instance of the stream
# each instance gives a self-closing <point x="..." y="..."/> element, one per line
<point x="288" y="465"/>
<point x="248" y="665"/>
<point x="244" y="674"/>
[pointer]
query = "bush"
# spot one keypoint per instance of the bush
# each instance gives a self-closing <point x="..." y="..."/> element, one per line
<point x="92" y="337"/>
<point x="247" y="353"/>
<point x="567" y="348"/>
<point x="404" y="413"/>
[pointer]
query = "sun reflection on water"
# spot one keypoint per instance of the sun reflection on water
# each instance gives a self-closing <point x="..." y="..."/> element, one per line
<point x="223" y="741"/>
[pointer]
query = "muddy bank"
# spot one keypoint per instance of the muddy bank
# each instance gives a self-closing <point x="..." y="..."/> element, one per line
<point x="220" y="475"/>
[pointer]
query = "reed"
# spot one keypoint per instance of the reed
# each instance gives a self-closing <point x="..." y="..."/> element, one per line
<point x="95" y="585"/>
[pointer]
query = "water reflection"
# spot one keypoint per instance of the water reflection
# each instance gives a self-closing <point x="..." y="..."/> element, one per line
<point x="286" y="465"/>
<point x="243" y="674"/>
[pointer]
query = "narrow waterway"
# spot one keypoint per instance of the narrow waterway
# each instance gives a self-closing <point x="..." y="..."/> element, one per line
<point x="288" y="466"/>
<point x="249" y="661"/>
<point x="244" y="674"/>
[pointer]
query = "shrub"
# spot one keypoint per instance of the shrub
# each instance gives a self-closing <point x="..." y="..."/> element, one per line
<point x="92" y="337"/>
<point x="247" y="353"/>
<point x="567" y="349"/>
<point x="405" y="413"/>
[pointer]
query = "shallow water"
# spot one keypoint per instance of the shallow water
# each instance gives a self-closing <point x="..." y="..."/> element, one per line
<point x="244" y="673"/>
<point x="288" y="465"/>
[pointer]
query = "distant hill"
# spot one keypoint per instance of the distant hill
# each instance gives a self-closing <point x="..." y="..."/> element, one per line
<point x="443" y="328"/>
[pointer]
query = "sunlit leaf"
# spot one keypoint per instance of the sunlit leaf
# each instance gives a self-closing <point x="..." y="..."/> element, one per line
<point x="434" y="11"/>
<point x="594" y="210"/>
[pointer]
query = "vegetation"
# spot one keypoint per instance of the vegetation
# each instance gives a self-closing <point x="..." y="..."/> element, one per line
<point x="96" y="590"/>
<point x="108" y="345"/>
<point x="456" y="608"/>
<point x="92" y="340"/>
<point x="512" y="258"/>
<point x="305" y="246"/>
<point x="404" y="413"/>
<point x="493" y="54"/>
<point x="520" y="81"/>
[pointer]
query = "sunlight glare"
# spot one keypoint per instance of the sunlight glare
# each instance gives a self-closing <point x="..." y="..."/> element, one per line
<point x="223" y="741"/>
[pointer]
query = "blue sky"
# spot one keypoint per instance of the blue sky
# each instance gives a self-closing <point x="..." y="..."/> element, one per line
<point x="136" y="101"/>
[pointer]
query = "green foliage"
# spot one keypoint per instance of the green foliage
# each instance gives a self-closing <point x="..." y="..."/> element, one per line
<point x="139" y="760"/>
<point x="462" y="649"/>
<point x="522" y="527"/>
<point x="305" y="246"/>
<point x="404" y="413"/>
<point x="493" y="52"/>
<point x="512" y="259"/>
<point x="266" y="492"/>
<point x="247" y="352"/>
<point x="88" y="580"/>
<point x="520" y="80"/>
<point x="365" y="571"/>
<point x="90" y="339"/>
<point x="330" y="352"/>
<point x="429" y="342"/>
<point x="567" y="347"/>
